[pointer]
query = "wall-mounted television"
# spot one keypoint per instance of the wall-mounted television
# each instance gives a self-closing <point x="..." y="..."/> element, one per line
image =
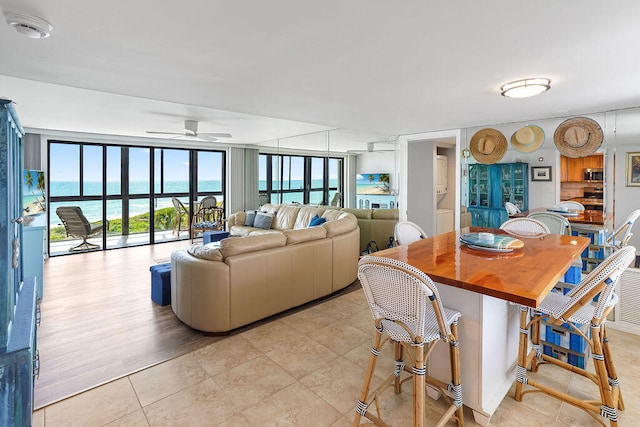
<point x="33" y="192"/>
<point x="373" y="183"/>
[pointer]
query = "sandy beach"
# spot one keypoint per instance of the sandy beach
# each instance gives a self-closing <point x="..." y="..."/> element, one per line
<point x="33" y="208"/>
<point x="376" y="190"/>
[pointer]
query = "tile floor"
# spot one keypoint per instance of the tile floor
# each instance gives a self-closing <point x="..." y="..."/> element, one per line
<point x="304" y="369"/>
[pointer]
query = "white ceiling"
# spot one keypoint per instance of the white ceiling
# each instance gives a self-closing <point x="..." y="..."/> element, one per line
<point x="263" y="70"/>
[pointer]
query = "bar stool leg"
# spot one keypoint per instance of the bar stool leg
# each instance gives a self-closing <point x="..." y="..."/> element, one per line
<point x="611" y="369"/>
<point x="419" y="372"/>
<point x="399" y="367"/>
<point x="456" y="389"/>
<point x="608" y="408"/>
<point x="535" y="341"/>
<point x="362" y="404"/>
<point x="521" y="369"/>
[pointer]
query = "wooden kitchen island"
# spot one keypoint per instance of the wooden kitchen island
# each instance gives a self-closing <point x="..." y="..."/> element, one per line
<point x="480" y="285"/>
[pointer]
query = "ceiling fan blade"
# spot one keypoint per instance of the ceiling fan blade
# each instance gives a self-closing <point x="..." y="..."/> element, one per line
<point x="163" y="133"/>
<point x="206" y="137"/>
<point x="216" y="134"/>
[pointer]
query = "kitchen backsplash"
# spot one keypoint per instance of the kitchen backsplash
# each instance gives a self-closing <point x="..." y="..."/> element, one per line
<point x="570" y="190"/>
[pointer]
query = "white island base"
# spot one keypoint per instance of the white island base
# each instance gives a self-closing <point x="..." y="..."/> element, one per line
<point x="488" y="333"/>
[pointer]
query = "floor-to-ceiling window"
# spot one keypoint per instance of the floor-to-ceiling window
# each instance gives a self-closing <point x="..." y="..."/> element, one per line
<point x="301" y="179"/>
<point x="129" y="190"/>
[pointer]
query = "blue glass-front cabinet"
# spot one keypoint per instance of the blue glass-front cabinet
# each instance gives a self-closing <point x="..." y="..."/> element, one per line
<point x="491" y="186"/>
<point x="18" y="355"/>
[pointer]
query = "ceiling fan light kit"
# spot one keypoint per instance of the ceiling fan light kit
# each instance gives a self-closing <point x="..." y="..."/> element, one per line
<point x="525" y="87"/>
<point x="29" y="26"/>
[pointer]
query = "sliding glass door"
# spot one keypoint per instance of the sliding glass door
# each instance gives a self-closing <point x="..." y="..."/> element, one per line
<point x="129" y="190"/>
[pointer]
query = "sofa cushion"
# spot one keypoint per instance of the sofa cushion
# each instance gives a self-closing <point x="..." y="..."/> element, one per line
<point x="239" y="245"/>
<point x="305" y="214"/>
<point x="250" y="218"/>
<point x="316" y="220"/>
<point x="269" y="208"/>
<point x="304" y="235"/>
<point x="286" y="217"/>
<point x="385" y="214"/>
<point x="210" y="251"/>
<point x="345" y="223"/>
<point x="260" y="231"/>
<point x="241" y="230"/>
<point x="359" y="213"/>
<point x="331" y="214"/>
<point x="263" y="220"/>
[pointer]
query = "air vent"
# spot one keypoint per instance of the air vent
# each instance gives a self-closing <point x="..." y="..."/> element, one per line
<point x="30" y="26"/>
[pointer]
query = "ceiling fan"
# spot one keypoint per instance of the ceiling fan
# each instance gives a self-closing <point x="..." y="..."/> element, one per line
<point x="371" y="148"/>
<point x="191" y="132"/>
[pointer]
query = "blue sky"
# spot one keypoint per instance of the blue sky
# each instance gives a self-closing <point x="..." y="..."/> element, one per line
<point x="64" y="163"/>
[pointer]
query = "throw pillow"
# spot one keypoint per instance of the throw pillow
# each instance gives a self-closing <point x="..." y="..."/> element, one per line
<point x="316" y="220"/>
<point x="251" y="217"/>
<point x="263" y="220"/>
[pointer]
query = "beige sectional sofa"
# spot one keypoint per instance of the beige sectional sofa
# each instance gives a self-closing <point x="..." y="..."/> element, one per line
<point x="375" y="224"/>
<point x="217" y="288"/>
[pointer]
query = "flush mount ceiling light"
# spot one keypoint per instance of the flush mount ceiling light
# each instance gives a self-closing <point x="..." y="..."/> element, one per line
<point x="30" y="26"/>
<point x="525" y="87"/>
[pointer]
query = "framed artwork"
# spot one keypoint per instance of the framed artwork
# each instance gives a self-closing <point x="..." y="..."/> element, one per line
<point x="633" y="169"/>
<point x="542" y="173"/>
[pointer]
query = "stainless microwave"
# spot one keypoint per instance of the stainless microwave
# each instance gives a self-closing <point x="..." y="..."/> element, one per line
<point x="593" y="175"/>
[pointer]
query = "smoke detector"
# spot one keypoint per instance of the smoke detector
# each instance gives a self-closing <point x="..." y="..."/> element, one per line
<point x="30" y="26"/>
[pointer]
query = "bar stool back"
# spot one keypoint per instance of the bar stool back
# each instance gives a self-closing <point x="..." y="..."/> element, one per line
<point x="407" y="311"/>
<point x="588" y="303"/>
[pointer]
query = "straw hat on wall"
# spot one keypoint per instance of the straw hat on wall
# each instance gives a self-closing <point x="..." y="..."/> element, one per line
<point x="488" y="146"/>
<point x="528" y="139"/>
<point x="578" y="137"/>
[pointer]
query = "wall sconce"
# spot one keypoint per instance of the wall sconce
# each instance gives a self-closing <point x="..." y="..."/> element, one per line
<point x="525" y="87"/>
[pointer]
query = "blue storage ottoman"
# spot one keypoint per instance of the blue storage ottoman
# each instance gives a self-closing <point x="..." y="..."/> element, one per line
<point x="214" y="236"/>
<point x="161" y="283"/>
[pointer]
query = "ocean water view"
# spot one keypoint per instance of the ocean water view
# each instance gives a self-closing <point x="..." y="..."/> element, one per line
<point x="93" y="209"/>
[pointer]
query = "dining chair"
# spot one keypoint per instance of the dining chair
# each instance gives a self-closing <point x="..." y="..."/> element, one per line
<point x="588" y="303"/>
<point x="525" y="227"/>
<point x="208" y="217"/>
<point x="511" y="208"/>
<point x="556" y="223"/>
<point x="407" y="312"/>
<point x="336" y="200"/>
<point x="180" y="212"/>
<point x="407" y="232"/>
<point x="570" y="205"/>
<point x="621" y="235"/>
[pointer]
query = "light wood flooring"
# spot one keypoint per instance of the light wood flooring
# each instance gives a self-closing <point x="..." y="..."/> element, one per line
<point x="99" y="323"/>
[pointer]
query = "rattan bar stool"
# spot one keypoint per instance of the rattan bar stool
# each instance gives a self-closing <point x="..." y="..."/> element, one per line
<point x="588" y="303"/>
<point x="620" y="236"/>
<point x="407" y="232"/>
<point x="570" y="205"/>
<point x="525" y="227"/>
<point x="408" y="313"/>
<point x="556" y="223"/>
<point x="511" y="209"/>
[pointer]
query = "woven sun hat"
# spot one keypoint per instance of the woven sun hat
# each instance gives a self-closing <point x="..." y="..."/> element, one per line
<point x="488" y="146"/>
<point x="578" y="137"/>
<point x="528" y="139"/>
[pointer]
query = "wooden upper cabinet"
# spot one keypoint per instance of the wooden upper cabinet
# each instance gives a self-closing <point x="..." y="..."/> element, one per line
<point x="595" y="161"/>
<point x="572" y="170"/>
<point x="564" y="169"/>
